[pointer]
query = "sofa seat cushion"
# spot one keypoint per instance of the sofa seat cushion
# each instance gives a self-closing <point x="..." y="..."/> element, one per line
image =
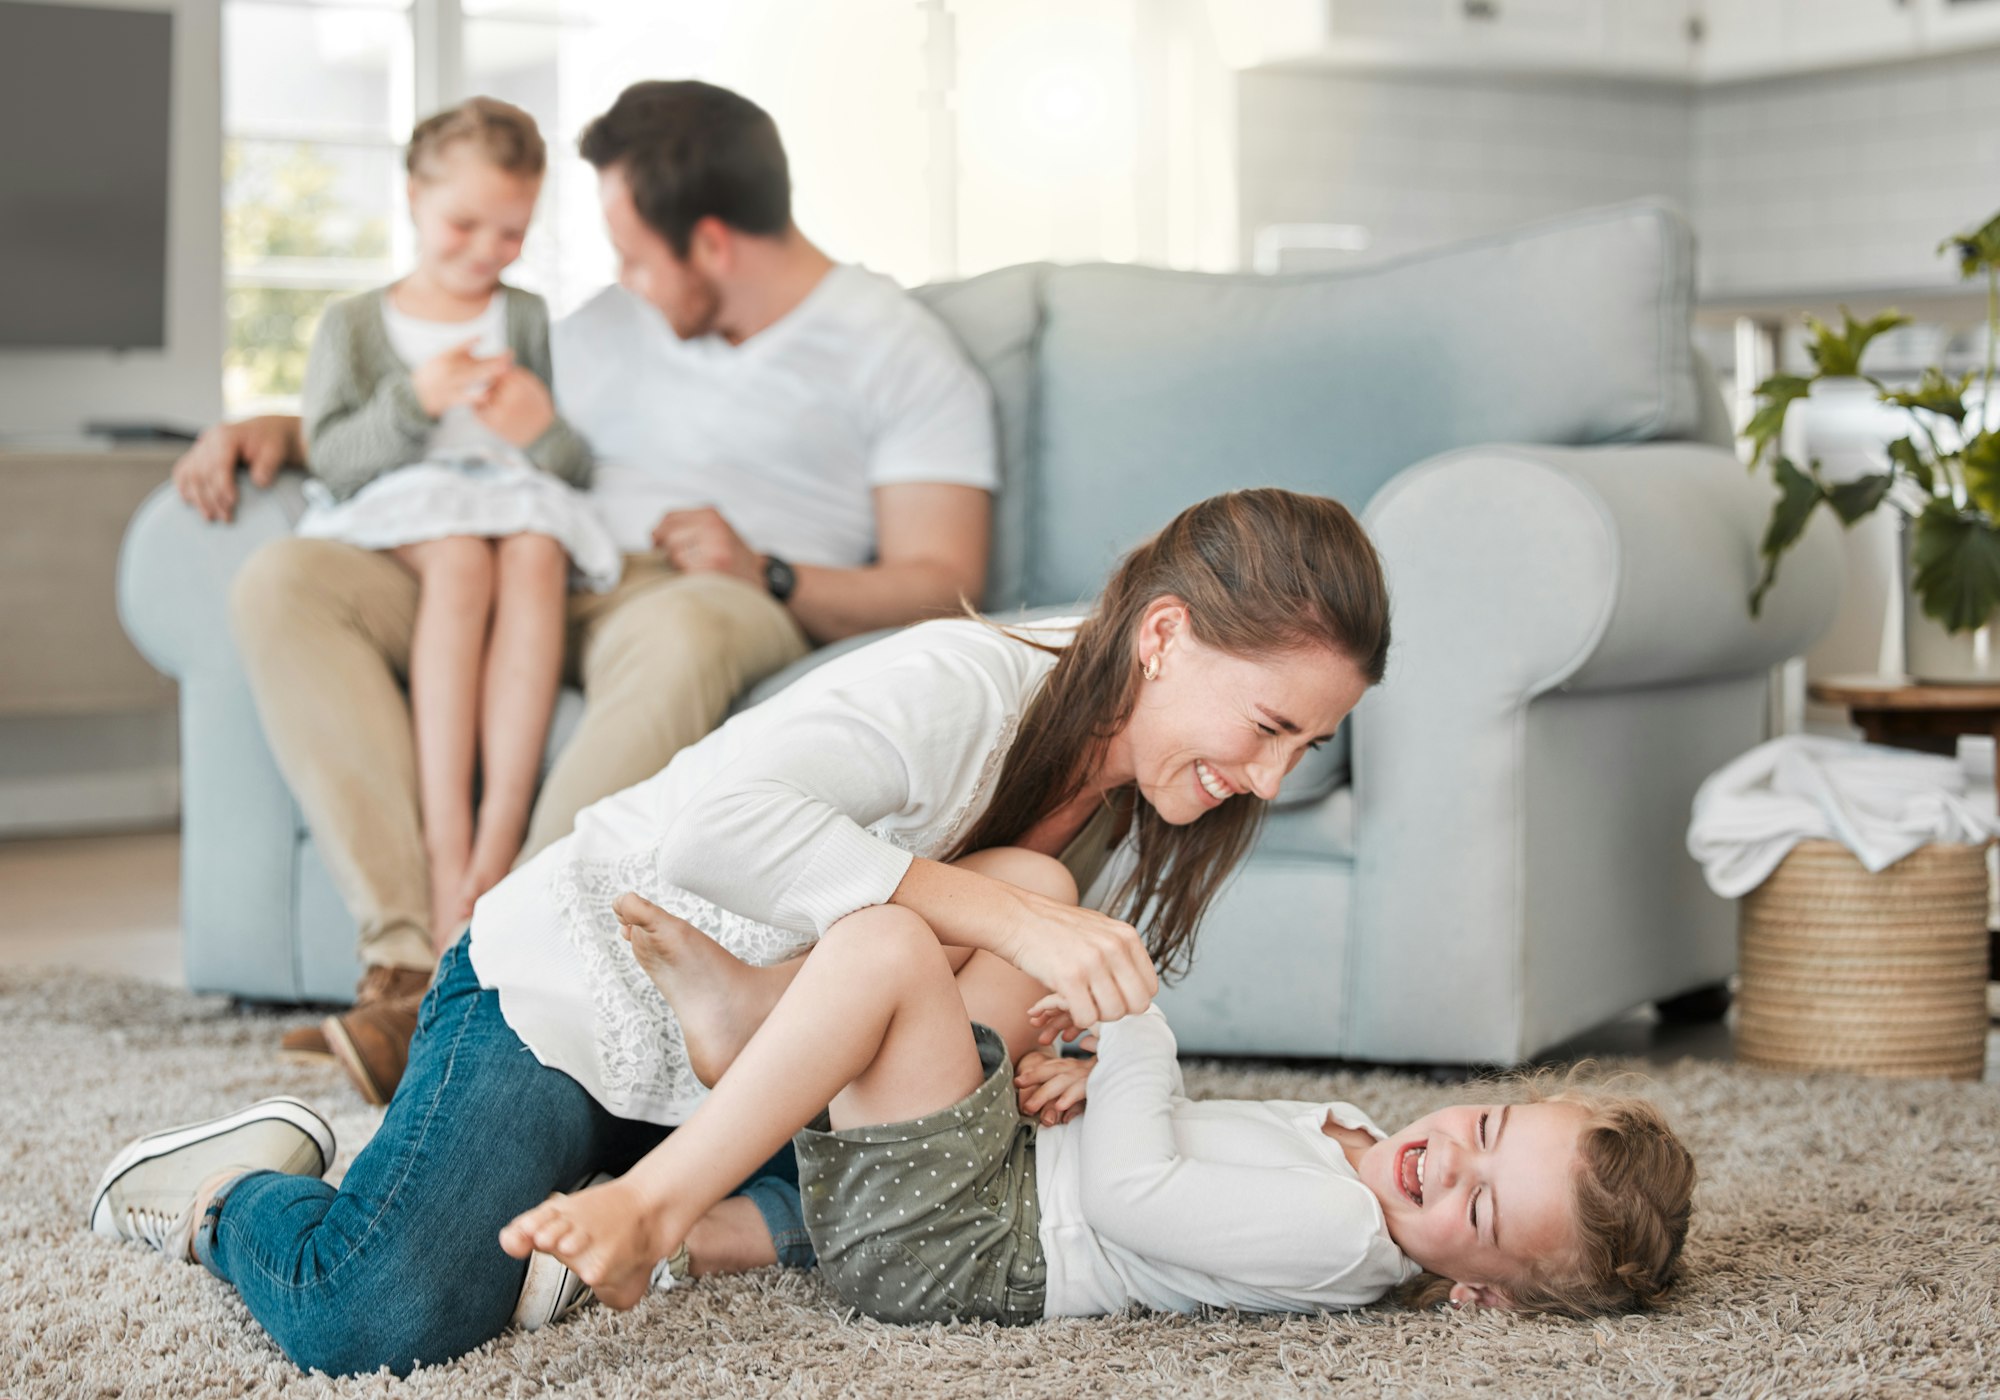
<point x="1155" y="389"/>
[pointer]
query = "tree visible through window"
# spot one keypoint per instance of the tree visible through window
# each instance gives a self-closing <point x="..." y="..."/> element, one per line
<point x="318" y="98"/>
<point x="928" y="138"/>
<point x="283" y="205"/>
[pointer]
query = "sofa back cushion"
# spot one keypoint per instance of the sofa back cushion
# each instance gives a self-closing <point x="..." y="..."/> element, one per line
<point x="995" y="317"/>
<point x="1153" y="389"/>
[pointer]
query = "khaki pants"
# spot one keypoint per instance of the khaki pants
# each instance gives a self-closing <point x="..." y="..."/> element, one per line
<point x="324" y="630"/>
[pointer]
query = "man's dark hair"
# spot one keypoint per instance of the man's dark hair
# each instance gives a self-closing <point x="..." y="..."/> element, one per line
<point x="691" y="151"/>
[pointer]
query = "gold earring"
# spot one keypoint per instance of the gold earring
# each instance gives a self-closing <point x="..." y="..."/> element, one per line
<point x="1152" y="668"/>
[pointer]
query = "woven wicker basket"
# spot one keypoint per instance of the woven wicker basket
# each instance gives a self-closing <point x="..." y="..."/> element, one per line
<point x="1867" y="974"/>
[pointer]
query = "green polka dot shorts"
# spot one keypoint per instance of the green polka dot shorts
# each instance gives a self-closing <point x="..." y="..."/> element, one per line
<point x="936" y="1219"/>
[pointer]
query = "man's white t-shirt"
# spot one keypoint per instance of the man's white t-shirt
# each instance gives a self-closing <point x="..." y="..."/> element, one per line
<point x="787" y="434"/>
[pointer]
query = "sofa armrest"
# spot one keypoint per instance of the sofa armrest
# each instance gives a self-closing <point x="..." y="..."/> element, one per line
<point x="174" y="570"/>
<point x="1603" y="582"/>
<point x="1590" y="568"/>
<point x="239" y="827"/>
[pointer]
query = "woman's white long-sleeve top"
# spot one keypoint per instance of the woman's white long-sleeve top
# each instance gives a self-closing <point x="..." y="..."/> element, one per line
<point x="792" y="815"/>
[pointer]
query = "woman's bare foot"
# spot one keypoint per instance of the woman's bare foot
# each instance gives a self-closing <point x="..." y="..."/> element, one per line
<point x="719" y="999"/>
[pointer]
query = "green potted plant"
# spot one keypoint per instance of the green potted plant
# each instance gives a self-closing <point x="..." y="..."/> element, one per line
<point x="1944" y="476"/>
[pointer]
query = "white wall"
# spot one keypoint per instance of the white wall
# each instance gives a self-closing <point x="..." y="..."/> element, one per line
<point x="1420" y="160"/>
<point x="54" y="391"/>
<point x="1845" y="180"/>
<point x="1822" y="183"/>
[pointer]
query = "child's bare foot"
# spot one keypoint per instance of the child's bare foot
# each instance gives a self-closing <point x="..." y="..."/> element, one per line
<point x="493" y="853"/>
<point x="449" y="915"/>
<point x="476" y="883"/>
<point x="604" y="1234"/>
<point x="719" y="999"/>
<point x="449" y="907"/>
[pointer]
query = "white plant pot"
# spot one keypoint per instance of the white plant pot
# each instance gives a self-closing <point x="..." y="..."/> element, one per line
<point x="1938" y="657"/>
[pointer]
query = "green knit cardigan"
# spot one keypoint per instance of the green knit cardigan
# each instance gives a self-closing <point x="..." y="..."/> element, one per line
<point x="361" y="414"/>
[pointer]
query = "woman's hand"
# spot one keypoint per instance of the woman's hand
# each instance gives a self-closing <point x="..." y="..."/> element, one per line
<point x="1051" y="1020"/>
<point x="1052" y="1088"/>
<point x="1096" y="966"/>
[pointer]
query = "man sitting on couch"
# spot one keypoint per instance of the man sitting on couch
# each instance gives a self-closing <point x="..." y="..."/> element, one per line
<point x="806" y="456"/>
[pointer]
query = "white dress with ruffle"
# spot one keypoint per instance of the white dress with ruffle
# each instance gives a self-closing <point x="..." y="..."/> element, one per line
<point x="470" y="481"/>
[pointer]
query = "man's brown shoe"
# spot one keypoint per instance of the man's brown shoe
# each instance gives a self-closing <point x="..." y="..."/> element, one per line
<point x="372" y="1038"/>
<point x="305" y="1043"/>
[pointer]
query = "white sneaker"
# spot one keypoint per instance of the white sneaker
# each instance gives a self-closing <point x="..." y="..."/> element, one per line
<point x="147" y="1194"/>
<point x="552" y="1291"/>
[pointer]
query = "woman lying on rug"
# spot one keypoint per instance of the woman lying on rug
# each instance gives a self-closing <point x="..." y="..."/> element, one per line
<point x="931" y="1199"/>
<point x="1140" y="742"/>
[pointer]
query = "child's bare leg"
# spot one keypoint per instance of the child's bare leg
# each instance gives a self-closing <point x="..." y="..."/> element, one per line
<point x="733" y="1238"/>
<point x="871" y="1024"/>
<point x="729" y="999"/>
<point x="719" y="999"/>
<point x="517" y="696"/>
<point x="995" y="992"/>
<point x="454" y="607"/>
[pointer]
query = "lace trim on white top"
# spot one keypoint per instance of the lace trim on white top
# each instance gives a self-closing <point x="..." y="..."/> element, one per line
<point x="642" y="1059"/>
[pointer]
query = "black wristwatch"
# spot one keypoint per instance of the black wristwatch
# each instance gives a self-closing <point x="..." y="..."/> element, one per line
<point x="779" y="580"/>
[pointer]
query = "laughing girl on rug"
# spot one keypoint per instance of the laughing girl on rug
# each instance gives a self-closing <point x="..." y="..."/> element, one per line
<point x="931" y="1198"/>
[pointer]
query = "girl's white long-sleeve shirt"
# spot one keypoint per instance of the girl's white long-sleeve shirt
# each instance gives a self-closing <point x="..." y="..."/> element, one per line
<point x="1154" y="1199"/>
<point x="792" y="815"/>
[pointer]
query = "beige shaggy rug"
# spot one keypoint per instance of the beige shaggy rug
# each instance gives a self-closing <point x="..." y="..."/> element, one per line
<point x="1847" y="1242"/>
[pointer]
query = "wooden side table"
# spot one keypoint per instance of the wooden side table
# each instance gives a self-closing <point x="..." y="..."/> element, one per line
<point x="1907" y="714"/>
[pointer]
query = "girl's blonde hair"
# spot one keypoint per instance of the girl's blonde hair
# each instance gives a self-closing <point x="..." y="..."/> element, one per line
<point x="506" y="136"/>
<point x="1634" y="1193"/>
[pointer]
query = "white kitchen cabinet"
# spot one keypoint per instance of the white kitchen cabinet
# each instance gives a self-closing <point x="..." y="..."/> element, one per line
<point x="1650" y="36"/>
<point x="1957" y="24"/>
<point x="1739" y="38"/>
<point x="1765" y="38"/>
<point x="1631" y="37"/>
<point x="1820" y="33"/>
<point x="1393" y="22"/>
<point x="1570" y="31"/>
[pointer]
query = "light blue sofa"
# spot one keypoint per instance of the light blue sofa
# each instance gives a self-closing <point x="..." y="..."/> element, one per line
<point x="1495" y="861"/>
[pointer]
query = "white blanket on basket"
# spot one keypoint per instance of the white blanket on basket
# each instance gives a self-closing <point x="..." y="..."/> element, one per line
<point x="1880" y="803"/>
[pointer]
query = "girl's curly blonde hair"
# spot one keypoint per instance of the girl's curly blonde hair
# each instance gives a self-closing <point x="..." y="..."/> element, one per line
<point x="1634" y="1193"/>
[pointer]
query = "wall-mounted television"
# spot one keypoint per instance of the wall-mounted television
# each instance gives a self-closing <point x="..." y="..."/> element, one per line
<point x="85" y="109"/>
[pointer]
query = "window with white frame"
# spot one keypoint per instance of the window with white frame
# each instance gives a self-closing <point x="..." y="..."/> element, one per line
<point x="318" y="98"/>
<point x="316" y="101"/>
<point x="927" y="138"/>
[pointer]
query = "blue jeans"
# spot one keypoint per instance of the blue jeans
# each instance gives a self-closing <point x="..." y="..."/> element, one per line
<point x="402" y="1265"/>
